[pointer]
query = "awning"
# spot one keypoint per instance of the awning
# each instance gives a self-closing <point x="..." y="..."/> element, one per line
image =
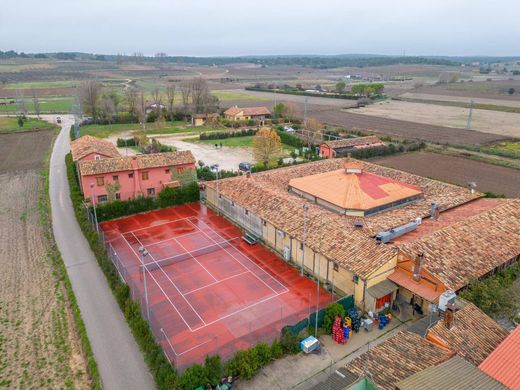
<point x="382" y="288"/>
<point x="424" y="291"/>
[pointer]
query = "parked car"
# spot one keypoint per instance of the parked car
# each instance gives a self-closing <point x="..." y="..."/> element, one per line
<point x="58" y="119"/>
<point x="289" y="129"/>
<point x="244" y="166"/>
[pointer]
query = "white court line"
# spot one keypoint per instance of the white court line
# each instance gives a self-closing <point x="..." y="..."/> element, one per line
<point x="248" y="259"/>
<point x="158" y="285"/>
<point x="169" y="239"/>
<point x="194" y="258"/>
<point x="240" y="310"/>
<point x="173" y="284"/>
<point x="159" y="224"/>
<point x="185" y="253"/>
<point x="217" y="282"/>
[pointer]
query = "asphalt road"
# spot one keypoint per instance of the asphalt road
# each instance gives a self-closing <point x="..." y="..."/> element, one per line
<point x="121" y="364"/>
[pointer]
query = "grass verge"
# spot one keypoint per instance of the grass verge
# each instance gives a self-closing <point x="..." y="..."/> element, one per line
<point x="10" y="125"/>
<point x="44" y="208"/>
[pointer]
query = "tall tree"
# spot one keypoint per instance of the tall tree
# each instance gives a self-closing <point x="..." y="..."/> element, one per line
<point x="140" y="108"/>
<point x="266" y="145"/>
<point x="157" y="101"/>
<point x="108" y="109"/>
<point x="131" y="95"/>
<point x="170" y="99"/>
<point x="313" y="132"/>
<point x="340" y="86"/>
<point x="90" y="92"/>
<point x="279" y="110"/>
<point x="36" y="104"/>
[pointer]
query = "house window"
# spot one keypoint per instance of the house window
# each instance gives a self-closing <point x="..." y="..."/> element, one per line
<point x="102" y="198"/>
<point x="180" y="170"/>
<point x="118" y="196"/>
<point x="301" y="245"/>
<point x="115" y="178"/>
<point x="265" y="223"/>
<point x="97" y="157"/>
<point x="144" y="175"/>
<point x="355" y="278"/>
<point x="247" y="212"/>
<point x="167" y="171"/>
<point x="336" y="266"/>
<point x="150" y="191"/>
<point x="100" y="181"/>
<point x="130" y="175"/>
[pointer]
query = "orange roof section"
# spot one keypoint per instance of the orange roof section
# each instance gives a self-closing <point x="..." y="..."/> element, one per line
<point x="503" y="364"/>
<point x="404" y="280"/>
<point x="88" y="144"/>
<point x="354" y="191"/>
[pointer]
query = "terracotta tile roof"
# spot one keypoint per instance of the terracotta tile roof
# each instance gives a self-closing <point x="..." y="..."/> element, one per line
<point x="250" y="111"/>
<point x="350" y="142"/>
<point x="87" y="144"/>
<point x="454" y="374"/>
<point x="265" y="194"/>
<point x="143" y="161"/>
<point x="355" y="191"/>
<point x="473" y="335"/>
<point x="503" y="363"/>
<point x="204" y="116"/>
<point x="405" y="280"/>
<point x="397" y="358"/>
<point x="471" y="247"/>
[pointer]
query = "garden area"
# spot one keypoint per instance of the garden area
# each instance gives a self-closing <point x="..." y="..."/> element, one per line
<point x="22" y="123"/>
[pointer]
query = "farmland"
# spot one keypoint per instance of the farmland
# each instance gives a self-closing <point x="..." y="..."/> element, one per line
<point x="487" y="121"/>
<point x="10" y="125"/>
<point x="48" y="105"/>
<point x="457" y="170"/>
<point x="39" y="346"/>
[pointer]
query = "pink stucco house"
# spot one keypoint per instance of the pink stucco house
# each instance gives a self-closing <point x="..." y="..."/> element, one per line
<point x="106" y="177"/>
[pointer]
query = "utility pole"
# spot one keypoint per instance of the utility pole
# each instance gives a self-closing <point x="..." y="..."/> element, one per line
<point x="318" y="278"/>
<point x="470" y="115"/>
<point x="305" y="208"/>
<point x="144" y="253"/>
<point x="94" y="206"/>
<point x="305" y="113"/>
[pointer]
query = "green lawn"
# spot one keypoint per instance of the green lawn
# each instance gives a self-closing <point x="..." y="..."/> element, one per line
<point x="10" y="125"/>
<point x="234" y="142"/>
<point x="43" y="84"/>
<point x="228" y="95"/>
<point x="47" y="105"/>
<point x="177" y="127"/>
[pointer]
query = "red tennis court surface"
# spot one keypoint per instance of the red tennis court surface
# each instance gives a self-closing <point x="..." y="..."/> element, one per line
<point x="208" y="291"/>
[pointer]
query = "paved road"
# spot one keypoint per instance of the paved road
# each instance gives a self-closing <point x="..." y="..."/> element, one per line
<point x="120" y="362"/>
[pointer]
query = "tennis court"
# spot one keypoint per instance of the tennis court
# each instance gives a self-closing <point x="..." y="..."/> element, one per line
<point x="203" y="289"/>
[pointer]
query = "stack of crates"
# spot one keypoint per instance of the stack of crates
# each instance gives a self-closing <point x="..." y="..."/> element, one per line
<point x="347" y="328"/>
<point x="337" y="331"/>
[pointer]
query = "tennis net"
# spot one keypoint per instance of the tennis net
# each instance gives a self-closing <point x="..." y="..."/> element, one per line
<point x="219" y="246"/>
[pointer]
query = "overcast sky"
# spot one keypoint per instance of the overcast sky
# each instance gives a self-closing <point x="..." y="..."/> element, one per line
<point x="239" y="27"/>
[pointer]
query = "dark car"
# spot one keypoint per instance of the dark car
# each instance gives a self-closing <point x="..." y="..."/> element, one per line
<point x="244" y="166"/>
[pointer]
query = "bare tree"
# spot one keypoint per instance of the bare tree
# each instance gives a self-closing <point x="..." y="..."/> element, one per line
<point x="266" y="145"/>
<point x="140" y="109"/>
<point x="131" y="95"/>
<point x="157" y="101"/>
<point x="20" y="102"/>
<point x="291" y="111"/>
<point x="313" y="132"/>
<point x="186" y="92"/>
<point x="108" y="109"/>
<point x="36" y="104"/>
<point x="89" y="92"/>
<point x="170" y="99"/>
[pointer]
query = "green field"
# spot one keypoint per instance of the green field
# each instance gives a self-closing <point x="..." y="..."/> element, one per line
<point x="47" y="105"/>
<point x="512" y="147"/>
<point x="177" y="127"/>
<point x="234" y="142"/>
<point x="228" y="95"/>
<point x="43" y="84"/>
<point x="10" y="125"/>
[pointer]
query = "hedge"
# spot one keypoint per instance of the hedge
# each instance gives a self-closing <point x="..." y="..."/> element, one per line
<point x="163" y="373"/>
<point x="227" y="134"/>
<point x="290" y="139"/>
<point x="303" y="93"/>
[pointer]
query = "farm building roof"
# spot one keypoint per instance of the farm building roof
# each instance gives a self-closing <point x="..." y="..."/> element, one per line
<point x="453" y="374"/>
<point x="142" y="161"/>
<point x="473" y="334"/>
<point x="87" y="144"/>
<point x="266" y="195"/>
<point x="471" y="247"/>
<point x="352" y="142"/>
<point x="359" y="191"/>
<point x="208" y="115"/>
<point x="503" y="363"/>
<point x="250" y="111"/>
<point x="400" y="356"/>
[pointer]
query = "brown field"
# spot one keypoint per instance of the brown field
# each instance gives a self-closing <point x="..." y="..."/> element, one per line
<point x="23" y="151"/>
<point x="487" y="121"/>
<point x="39" y="347"/>
<point x="460" y="99"/>
<point x="457" y="170"/>
<point x="496" y="89"/>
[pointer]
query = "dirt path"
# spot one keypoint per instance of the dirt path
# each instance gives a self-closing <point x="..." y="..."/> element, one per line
<point x="38" y="348"/>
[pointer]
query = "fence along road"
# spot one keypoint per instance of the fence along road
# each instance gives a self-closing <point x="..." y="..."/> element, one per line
<point x="121" y="364"/>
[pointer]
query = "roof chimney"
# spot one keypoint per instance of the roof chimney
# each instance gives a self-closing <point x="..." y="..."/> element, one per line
<point x="472" y="185"/>
<point x="417" y="267"/>
<point x="353" y="167"/>
<point x="434" y="214"/>
<point x="449" y="315"/>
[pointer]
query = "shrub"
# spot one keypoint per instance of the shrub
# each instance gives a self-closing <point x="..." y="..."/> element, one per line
<point x="331" y="312"/>
<point x="276" y="349"/>
<point x="263" y="354"/>
<point x="214" y="371"/>
<point x="290" y="139"/>
<point x="195" y="376"/>
<point x="290" y="343"/>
